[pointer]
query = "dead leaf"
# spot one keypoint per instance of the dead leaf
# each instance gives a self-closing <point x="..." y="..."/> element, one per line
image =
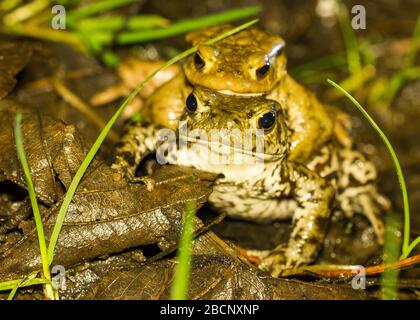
<point x="13" y="58"/>
<point x="107" y="214"/>
<point x="218" y="273"/>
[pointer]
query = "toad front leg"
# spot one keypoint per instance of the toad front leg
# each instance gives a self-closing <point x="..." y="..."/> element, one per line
<point x="314" y="196"/>
<point x="135" y="145"/>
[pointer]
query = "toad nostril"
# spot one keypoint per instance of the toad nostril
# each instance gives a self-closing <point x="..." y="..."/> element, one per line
<point x="199" y="61"/>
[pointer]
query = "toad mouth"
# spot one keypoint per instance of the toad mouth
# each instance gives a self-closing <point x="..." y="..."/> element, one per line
<point x="233" y="93"/>
<point x="218" y="145"/>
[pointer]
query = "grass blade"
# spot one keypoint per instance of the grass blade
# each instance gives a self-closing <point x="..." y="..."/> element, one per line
<point x="25" y="11"/>
<point x="353" y="82"/>
<point x="34" y="203"/>
<point x="185" y="26"/>
<point x="96" y="8"/>
<point x="318" y="65"/>
<point x="180" y="283"/>
<point x="7" y="5"/>
<point x="407" y="72"/>
<point x="401" y="180"/>
<point x="389" y="278"/>
<point x="14" y="290"/>
<point x="414" y="46"/>
<point x="10" y="284"/>
<point x="114" y="23"/>
<point x="350" y="41"/>
<point x="412" y="246"/>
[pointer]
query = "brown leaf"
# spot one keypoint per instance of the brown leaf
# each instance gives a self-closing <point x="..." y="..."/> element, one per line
<point x="107" y="214"/>
<point x="52" y="148"/>
<point x="218" y="272"/>
<point x="13" y="58"/>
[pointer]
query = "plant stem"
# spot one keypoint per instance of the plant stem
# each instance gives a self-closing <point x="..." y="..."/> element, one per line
<point x="180" y="283"/>
<point x="76" y="102"/>
<point x="14" y="290"/>
<point x="407" y="72"/>
<point x="29" y="30"/>
<point x="34" y="203"/>
<point x="412" y="246"/>
<point x="414" y="46"/>
<point x="114" y="23"/>
<point x="10" y="284"/>
<point x="350" y="41"/>
<point x="25" y="11"/>
<point x="353" y="81"/>
<point x="185" y="26"/>
<point x="95" y="8"/>
<point x="391" y="254"/>
<point x="7" y="5"/>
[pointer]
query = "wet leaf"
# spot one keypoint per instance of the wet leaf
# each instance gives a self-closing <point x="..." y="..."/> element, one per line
<point x="54" y="151"/>
<point x="13" y="58"/>
<point x="108" y="214"/>
<point x="218" y="272"/>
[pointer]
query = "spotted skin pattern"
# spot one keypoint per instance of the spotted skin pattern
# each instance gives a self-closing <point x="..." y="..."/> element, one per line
<point x="335" y="176"/>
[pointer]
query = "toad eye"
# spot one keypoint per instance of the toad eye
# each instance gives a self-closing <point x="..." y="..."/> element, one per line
<point x="267" y="120"/>
<point x="191" y="103"/>
<point x="199" y="62"/>
<point x="261" y="72"/>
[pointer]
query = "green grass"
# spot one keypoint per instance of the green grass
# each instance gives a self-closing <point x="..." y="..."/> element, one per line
<point x="94" y="8"/>
<point x="47" y="254"/>
<point x="392" y="249"/>
<point x="384" y="89"/>
<point x="407" y="247"/>
<point x="14" y="290"/>
<point x="407" y="71"/>
<point x="361" y="66"/>
<point x="310" y="71"/>
<point x="26" y="11"/>
<point x="179" y="288"/>
<point x="187" y="25"/>
<point x="7" y="5"/>
<point x="10" y="284"/>
<point x="114" y="23"/>
<point x="32" y="196"/>
<point x="90" y="32"/>
<point x="353" y="56"/>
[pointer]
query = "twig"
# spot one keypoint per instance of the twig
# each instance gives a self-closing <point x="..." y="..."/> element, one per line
<point x="73" y="100"/>
<point x="342" y="271"/>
